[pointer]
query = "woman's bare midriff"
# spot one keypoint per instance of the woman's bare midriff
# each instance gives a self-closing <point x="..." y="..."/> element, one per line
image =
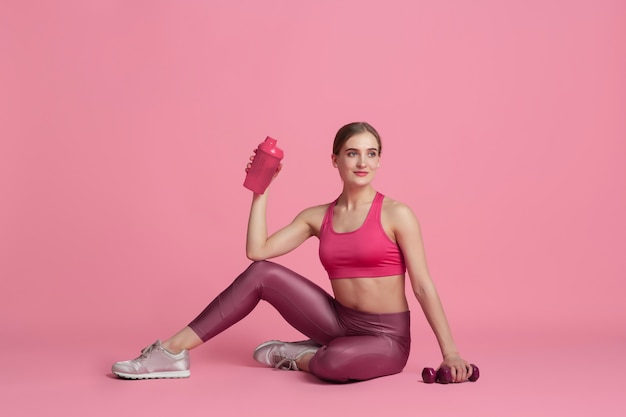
<point x="372" y="295"/>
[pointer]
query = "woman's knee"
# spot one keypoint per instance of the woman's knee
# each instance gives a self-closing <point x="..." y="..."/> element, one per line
<point x="263" y="269"/>
<point x="267" y="278"/>
<point x="257" y="267"/>
<point x="258" y="271"/>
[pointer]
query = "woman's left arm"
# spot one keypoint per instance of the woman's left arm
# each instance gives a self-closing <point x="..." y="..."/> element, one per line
<point x="409" y="238"/>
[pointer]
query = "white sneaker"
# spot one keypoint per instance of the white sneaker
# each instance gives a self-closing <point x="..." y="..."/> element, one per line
<point x="283" y="355"/>
<point x="154" y="362"/>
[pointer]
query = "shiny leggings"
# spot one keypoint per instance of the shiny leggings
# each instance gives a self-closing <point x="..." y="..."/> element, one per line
<point x="354" y="345"/>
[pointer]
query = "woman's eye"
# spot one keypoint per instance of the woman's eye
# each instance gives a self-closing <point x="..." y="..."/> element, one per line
<point x="351" y="153"/>
<point x="372" y="154"/>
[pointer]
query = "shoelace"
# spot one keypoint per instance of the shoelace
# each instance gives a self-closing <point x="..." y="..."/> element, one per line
<point x="147" y="350"/>
<point x="288" y="364"/>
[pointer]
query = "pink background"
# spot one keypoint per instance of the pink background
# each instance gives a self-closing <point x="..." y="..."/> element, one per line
<point x="125" y="127"/>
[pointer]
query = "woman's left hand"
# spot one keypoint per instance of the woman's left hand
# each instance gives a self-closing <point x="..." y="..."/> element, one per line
<point x="460" y="369"/>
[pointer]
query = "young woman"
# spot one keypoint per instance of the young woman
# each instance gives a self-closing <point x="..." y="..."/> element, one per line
<point x="367" y="244"/>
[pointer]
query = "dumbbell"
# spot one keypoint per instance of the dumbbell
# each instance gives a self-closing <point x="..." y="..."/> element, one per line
<point x="444" y="375"/>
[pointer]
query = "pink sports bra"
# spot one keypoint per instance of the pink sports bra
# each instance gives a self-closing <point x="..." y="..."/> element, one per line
<point x="365" y="252"/>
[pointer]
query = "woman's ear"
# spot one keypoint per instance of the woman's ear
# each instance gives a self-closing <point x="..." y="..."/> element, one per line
<point x="333" y="158"/>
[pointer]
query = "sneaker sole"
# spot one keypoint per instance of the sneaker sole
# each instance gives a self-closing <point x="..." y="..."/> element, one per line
<point x="155" y="375"/>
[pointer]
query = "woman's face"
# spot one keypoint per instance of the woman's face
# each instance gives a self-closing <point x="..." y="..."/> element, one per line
<point x="358" y="159"/>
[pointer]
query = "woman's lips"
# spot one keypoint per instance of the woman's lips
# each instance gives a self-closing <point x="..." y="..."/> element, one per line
<point x="360" y="173"/>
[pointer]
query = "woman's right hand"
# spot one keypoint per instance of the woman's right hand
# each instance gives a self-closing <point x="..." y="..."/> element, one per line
<point x="249" y="165"/>
<point x="251" y="160"/>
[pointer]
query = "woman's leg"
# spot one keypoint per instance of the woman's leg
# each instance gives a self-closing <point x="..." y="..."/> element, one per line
<point x="374" y="345"/>
<point x="186" y="338"/>
<point x="304" y="305"/>
<point x="358" y="358"/>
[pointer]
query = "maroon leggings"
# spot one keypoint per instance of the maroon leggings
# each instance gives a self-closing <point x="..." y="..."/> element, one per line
<point x="355" y="345"/>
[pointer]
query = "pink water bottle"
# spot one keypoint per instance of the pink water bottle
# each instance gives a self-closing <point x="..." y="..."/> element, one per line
<point x="264" y="166"/>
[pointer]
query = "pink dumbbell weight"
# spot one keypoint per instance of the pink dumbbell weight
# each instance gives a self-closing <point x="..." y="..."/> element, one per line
<point x="444" y="376"/>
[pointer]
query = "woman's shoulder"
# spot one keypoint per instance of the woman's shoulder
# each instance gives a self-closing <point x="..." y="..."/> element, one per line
<point x="315" y="212"/>
<point x="313" y="217"/>
<point x="394" y="205"/>
<point x="397" y="210"/>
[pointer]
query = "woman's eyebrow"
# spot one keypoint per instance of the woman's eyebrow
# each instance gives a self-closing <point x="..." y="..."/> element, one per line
<point x="355" y="149"/>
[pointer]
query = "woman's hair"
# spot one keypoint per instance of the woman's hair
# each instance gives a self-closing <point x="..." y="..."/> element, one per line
<point x="351" y="129"/>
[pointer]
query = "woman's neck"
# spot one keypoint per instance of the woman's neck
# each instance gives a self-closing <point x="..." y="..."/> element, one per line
<point x="353" y="197"/>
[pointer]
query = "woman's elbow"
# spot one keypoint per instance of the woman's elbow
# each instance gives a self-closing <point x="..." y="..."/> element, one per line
<point x="254" y="255"/>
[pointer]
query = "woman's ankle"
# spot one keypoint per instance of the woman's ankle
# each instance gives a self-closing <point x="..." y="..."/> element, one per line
<point x="171" y="347"/>
<point x="303" y="362"/>
<point x="186" y="339"/>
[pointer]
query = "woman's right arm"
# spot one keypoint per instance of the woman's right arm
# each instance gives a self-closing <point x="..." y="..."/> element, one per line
<point x="260" y="246"/>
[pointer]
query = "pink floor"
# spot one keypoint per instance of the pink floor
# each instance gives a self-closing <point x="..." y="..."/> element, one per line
<point x="522" y="375"/>
<point x="125" y="127"/>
